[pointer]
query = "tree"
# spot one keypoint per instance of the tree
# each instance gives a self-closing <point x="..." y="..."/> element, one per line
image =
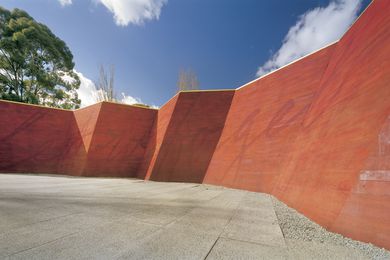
<point x="106" y="89"/>
<point x="105" y="85"/>
<point x="35" y="65"/>
<point x="187" y="81"/>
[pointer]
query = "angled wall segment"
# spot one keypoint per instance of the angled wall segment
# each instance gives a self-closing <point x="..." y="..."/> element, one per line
<point x="104" y="139"/>
<point x="156" y="138"/>
<point x="349" y="112"/>
<point x="86" y="119"/>
<point x="263" y="123"/>
<point x="191" y="136"/>
<point x="36" y="139"/>
<point x="119" y="140"/>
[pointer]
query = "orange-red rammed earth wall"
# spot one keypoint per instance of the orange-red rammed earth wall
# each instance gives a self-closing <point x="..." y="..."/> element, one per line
<point x="315" y="133"/>
<point x="105" y="139"/>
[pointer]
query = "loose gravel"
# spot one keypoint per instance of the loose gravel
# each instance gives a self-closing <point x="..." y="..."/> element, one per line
<point x="296" y="227"/>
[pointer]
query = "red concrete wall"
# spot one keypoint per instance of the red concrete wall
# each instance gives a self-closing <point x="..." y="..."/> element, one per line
<point x="36" y="139"/>
<point x="86" y="119"/>
<point x="315" y="133"/>
<point x="156" y="139"/>
<point x="263" y="123"/>
<point x="343" y="131"/>
<point x="101" y="140"/>
<point x="119" y="140"/>
<point x="191" y="136"/>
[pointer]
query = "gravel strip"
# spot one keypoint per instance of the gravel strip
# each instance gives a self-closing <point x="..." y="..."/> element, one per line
<point x="296" y="227"/>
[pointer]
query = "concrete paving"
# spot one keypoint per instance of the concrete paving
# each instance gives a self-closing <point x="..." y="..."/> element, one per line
<point x="52" y="217"/>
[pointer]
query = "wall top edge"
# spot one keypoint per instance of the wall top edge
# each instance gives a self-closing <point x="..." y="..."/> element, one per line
<point x="206" y="90"/>
<point x="287" y="65"/>
<point x="71" y="110"/>
<point x="129" y="105"/>
<point x="34" y="105"/>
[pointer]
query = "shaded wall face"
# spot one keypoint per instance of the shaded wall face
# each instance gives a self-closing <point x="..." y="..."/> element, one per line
<point x="191" y="136"/>
<point x="156" y="138"/>
<point x="263" y="123"/>
<point x="86" y="119"/>
<point x="119" y="140"/>
<point x="35" y="139"/>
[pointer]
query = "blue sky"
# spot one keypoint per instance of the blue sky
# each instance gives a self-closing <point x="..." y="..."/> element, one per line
<point x="223" y="41"/>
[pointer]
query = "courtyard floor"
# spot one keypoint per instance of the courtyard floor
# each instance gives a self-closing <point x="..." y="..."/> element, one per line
<point x="57" y="217"/>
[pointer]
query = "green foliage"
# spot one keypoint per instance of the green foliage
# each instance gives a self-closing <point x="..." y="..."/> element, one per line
<point x="35" y="65"/>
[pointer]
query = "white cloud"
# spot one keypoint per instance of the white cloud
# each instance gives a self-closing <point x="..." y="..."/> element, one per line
<point x="129" y="11"/>
<point x="65" y="2"/>
<point x="87" y="91"/>
<point x="134" y="11"/>
<point x="314" y="29"/>
<point x="130" y="100"/>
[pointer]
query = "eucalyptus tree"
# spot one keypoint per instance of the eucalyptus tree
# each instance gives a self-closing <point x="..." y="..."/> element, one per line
<point x="35" y="65"/>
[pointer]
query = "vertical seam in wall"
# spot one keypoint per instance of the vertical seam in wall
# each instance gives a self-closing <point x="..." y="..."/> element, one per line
<point x="149" y="139"/>
<point x="90" y="143"/>
<point x="333" y="46"/>
<point x="69" y="130"/>
<point x="156" y="153"/>
<point x="220" y="136"/>
<point x="316" y="94"/>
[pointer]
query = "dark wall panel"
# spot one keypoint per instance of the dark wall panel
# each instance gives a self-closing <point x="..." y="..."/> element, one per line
<point x="191" y="136"/>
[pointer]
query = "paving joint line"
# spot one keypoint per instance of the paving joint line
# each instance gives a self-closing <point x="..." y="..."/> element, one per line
<point x="48" y="242"/>
<point x="34" y="223"/>
<point x="228" y="222"/>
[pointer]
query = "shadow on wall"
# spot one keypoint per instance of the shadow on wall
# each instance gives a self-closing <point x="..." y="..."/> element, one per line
<point x="263" y="123"/>
<point x="119" y="140"/>
<point x="191" y="136"/>
<point x="38" y="140"/>
<point x="104" y="139"/>
<point x="149" y="152"/>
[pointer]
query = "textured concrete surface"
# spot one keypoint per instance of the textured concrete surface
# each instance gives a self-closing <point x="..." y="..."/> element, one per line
<point x="46" y="217"/>
<point x="105" y="139"/>
<point x="191" y="136"/>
